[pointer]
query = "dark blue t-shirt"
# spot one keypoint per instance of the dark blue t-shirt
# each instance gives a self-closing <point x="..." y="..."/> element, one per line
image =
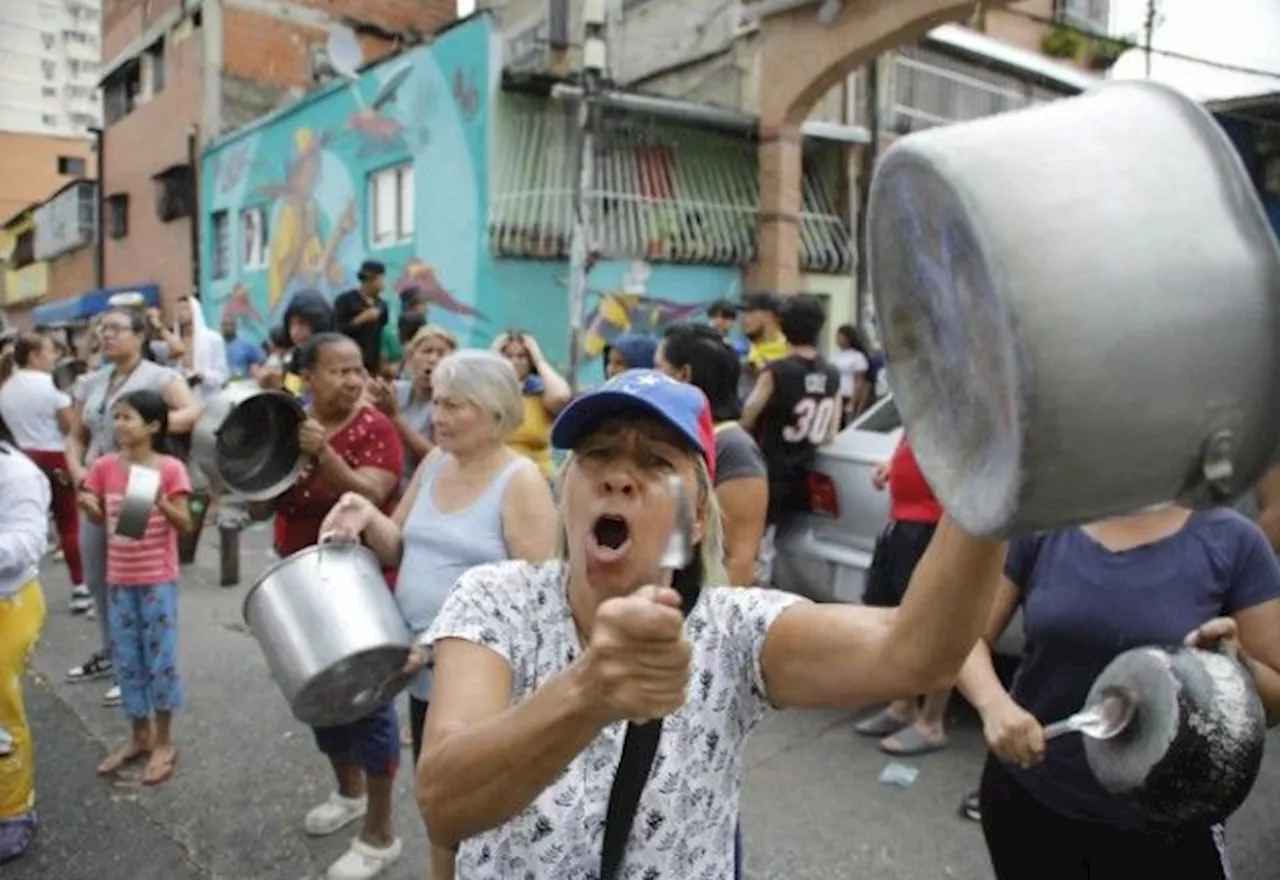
<point x="1083" y="605"/>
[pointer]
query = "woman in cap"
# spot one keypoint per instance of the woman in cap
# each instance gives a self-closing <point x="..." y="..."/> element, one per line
<point x="538" y="667"/>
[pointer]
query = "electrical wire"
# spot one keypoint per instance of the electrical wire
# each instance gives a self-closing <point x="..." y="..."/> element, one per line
<point x="1167" y="53"/>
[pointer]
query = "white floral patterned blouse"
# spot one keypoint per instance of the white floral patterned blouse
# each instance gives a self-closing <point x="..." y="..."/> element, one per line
<point x="684" y="827"/>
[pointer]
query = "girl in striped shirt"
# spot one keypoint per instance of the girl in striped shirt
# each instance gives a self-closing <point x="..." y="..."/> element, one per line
<point x="142" y="578"/>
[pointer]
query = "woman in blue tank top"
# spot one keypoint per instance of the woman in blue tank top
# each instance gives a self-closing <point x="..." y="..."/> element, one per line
<point x="472" y="500"/>
<point x="1088" y="594"/>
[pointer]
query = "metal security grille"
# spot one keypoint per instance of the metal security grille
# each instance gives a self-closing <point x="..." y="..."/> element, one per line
<point x="665" y="191"/>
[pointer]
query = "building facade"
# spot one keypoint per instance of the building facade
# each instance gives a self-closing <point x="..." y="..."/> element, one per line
<point x="50" y="52"/>
<point x="33" y="167"/>
<point x="179" y="73"/>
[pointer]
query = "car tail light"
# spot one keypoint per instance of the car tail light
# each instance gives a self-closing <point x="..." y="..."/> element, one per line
<point x="822" y="494"/>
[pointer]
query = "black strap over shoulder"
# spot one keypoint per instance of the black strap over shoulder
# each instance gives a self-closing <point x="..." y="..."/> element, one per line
<point x="639" y="748"/>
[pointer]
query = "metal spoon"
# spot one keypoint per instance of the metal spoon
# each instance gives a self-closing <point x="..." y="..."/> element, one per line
<point x="1103" y="720"/>
<point x="679" y="550"/>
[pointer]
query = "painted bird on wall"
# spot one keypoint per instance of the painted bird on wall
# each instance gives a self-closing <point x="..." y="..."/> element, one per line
<point x="420" y="275"/>
<point x="379" y="132"/>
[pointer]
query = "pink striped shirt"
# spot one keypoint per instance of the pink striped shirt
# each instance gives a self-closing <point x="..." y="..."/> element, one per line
<point x="153" y="558"/>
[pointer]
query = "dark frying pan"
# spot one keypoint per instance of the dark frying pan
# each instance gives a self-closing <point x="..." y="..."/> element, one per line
<point x="1176" y="732"/>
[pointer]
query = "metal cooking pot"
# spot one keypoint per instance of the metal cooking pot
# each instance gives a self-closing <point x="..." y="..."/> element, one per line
<point x="247" y="438"/>
<point x="1191" y="746"/>
<point x="1041" y="278"/>
<point x="139" y="500"/>
<point x="331" y="632"/>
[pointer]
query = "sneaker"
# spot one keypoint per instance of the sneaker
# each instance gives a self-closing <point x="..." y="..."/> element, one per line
<point x="334" y="814"/>
<point x="112" y="696"/>
<point x="81" y="600"/>
<point x="362" y="861"/>
<point x="970" y="807"/>
<point x="58" y="555"/>
<point x="16" y="835"/>
<point x="97" y="666"/>
<point x="6" y="743"/>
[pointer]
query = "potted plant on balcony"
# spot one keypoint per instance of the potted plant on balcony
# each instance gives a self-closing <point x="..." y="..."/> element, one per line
<point x="1063" y="42"/>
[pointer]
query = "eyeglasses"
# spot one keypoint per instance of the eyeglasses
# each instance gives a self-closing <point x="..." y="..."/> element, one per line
<point x="113" y="329"/>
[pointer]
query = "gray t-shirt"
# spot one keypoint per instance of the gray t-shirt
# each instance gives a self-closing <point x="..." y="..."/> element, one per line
<point x="418" y="416"/>
<point x="737" y="454"/>
<point x="91" y="393"/>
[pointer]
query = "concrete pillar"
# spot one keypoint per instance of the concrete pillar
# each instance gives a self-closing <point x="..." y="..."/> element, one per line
<point x="778" y="232"/>
<point x="800" y="60"/>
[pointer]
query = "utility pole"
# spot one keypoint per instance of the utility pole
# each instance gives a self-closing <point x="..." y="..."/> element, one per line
<point x="595" y="56"/>
<point x="1150" y="21"/>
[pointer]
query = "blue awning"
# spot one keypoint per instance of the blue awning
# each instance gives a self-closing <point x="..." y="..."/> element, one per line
<point x="86" y="305"/>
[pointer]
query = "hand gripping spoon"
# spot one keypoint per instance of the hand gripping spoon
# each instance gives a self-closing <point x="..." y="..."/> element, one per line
<point x="641" y="742"/>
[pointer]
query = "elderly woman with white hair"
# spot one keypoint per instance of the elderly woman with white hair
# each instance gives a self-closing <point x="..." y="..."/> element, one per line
<point x="472" y="500"/>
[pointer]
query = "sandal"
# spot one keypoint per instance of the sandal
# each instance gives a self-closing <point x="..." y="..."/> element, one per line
<point x="121" y="758"/>
<point x="880" y="725"/>
<point x="161" y="766"/>
<point x="910" y="743"/>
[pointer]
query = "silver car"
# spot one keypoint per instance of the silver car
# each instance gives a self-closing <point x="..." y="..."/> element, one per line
<point x="824" y="555"/>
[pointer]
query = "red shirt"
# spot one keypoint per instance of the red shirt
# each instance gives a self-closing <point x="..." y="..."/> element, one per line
<point x="153" y="558"/>
<point x="910" y="498"/>
<point x="369" y="440"/>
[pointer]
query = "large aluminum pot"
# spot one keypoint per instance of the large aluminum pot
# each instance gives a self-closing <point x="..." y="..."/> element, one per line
<point x="247" y="438"/>
<point x="331" y="632"/>
<point x="1080" y="304"/>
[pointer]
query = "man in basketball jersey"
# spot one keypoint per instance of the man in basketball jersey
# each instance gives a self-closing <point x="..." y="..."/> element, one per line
<point x="793" y="409"/>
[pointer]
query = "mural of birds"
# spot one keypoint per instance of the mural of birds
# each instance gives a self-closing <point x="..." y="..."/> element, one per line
<point x="240" y="305"/>
<point x="421" y="275"/>
<point x="378" y="131"/>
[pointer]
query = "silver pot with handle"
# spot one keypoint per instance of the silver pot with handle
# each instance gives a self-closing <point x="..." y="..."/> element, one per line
<point x="331" y="631"/>
<point x="247" y="438"/>
<point x="140" y="491"/>
<point x="1079" y="304"/>
<point x="1176" y="732"/>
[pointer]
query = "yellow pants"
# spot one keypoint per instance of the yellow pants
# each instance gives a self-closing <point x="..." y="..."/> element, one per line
<point x="21" y="619"/>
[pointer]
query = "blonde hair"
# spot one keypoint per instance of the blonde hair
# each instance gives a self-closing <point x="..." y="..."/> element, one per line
<point x="428" y="332"/>
<point x="710" y="549"/>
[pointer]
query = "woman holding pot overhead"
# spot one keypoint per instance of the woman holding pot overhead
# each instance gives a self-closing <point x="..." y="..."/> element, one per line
<point x="538" y="667"/>
<point x="351" y="447"/>
<point x="1088" y="594"/>
<point x="126" y="368"/>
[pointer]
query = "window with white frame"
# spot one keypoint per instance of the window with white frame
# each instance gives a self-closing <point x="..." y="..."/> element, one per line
<point x="221" y="266"/>
<point x="1093" y="16"/>
<point x="253" y="238"/>
<point x="391" y="205"/>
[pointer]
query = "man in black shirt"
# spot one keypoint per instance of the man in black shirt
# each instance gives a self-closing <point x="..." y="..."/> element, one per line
<point x="794" y="408"/>
<point x="361" y="313"/>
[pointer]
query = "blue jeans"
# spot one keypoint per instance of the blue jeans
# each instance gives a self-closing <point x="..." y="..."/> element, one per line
<point x="143" y="623"/>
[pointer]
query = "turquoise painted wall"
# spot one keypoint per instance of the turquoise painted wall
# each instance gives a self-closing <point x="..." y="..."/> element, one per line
<point x="308" y="168"/>
<point x="636" y="297"/>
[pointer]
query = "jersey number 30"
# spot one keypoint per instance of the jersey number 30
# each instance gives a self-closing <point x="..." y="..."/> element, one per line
<point x="811" y="421"/>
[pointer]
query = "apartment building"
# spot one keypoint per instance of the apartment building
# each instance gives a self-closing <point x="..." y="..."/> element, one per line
<point x="50" y="53"/>
<point x="705" y="51"/>
<point x="178" y="73"/>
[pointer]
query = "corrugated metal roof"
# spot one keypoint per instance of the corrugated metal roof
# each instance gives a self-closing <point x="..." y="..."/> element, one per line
<point x="665" y="191"/>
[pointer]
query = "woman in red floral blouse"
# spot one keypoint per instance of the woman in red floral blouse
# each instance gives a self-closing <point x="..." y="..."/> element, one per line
<point x="352" y="447"/>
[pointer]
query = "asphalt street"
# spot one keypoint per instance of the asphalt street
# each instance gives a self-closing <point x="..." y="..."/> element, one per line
<point x="813" y="807"/>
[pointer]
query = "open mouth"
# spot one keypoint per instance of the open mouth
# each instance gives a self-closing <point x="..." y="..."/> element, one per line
<point x="611" y="533"/>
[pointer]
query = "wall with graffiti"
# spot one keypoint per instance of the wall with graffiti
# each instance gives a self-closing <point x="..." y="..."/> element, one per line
<point x="622" y="297"/>
<point x="289" y="202"/>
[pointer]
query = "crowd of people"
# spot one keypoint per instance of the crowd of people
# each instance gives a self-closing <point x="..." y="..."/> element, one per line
<point x="520" y="527"/>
